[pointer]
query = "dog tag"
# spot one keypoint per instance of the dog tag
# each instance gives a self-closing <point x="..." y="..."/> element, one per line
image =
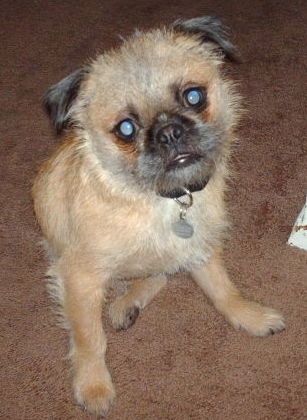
<point x="183" y="229"/>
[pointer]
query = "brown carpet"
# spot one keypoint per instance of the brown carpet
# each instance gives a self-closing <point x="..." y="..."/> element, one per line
<point x="181" y="360"/>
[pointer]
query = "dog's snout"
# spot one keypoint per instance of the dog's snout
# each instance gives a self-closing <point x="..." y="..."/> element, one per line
<point x="169" y="133"/>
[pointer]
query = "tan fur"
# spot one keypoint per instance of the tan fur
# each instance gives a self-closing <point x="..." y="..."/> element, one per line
<point x="101" y="226"/>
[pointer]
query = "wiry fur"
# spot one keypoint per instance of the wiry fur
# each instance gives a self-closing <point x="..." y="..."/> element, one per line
<point x="105" y="204"/>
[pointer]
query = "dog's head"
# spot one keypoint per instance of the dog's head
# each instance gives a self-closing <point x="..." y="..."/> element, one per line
<point x="156" y="112"/>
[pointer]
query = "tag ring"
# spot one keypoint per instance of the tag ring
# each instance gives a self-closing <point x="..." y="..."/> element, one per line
<point x="183" y="205"/>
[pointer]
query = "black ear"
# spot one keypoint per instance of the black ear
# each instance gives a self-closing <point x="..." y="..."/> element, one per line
<point x="59" y="98"/>
<point x="209" y="29"/>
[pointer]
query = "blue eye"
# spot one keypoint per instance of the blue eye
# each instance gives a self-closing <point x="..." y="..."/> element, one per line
<point x="194" y="97"/>
<point x="125" y="130"/>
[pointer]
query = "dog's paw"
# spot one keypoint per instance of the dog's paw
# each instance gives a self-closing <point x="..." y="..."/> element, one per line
<point x="254" y="318"/>
<point x="123" y="317"/>
<point x="96" y="398"/>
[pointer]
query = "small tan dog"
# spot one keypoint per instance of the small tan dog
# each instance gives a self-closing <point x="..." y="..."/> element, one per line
<point x="136" y="190"/>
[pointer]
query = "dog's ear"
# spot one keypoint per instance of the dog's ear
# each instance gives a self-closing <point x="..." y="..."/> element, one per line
<point x="60" y="97"/>
<point x="209" y="29"/>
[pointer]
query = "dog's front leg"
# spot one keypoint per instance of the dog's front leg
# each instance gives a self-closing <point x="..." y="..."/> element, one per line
<point x="83" y="298"/>
<point x="243" y="314"/>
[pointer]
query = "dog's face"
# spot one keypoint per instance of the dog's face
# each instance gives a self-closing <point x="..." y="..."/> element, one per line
<point x="156" y="112"/>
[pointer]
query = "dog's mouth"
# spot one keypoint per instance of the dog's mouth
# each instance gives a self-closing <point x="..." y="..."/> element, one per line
<point x="182" y="160"/>
<point x="174" y="182"/>
<point x="179" y="192"/>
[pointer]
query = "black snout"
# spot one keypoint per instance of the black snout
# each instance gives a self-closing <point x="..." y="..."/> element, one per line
<point x="170" y="133"/>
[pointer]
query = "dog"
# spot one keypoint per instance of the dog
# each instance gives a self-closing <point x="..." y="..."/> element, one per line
<point x="136" y="188"/>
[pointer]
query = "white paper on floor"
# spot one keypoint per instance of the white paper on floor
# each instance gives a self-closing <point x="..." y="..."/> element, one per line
<point x="298" y="235"/>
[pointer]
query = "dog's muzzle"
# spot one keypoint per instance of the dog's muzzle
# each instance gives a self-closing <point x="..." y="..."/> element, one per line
<point x="170" y="138"/>
<point x="182" y="160"/>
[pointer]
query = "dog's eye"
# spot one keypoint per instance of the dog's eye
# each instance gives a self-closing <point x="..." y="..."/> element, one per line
<point x="126" y="130"/>
<point x="194" y="97"/>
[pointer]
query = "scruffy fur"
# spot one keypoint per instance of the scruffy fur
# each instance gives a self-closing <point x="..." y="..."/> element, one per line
<point x="105" y="203"/>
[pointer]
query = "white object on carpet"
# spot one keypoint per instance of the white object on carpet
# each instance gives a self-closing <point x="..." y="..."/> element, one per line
<point x="298" y="235"/>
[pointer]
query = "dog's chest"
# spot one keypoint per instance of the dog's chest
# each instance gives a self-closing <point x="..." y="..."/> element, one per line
<point x="148" y="244"/>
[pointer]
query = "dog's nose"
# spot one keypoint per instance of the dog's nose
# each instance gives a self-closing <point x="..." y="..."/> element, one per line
<point x="169" y="133"/>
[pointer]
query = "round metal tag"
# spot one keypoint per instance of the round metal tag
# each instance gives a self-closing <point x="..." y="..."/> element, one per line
<point x="183" y="229"/>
